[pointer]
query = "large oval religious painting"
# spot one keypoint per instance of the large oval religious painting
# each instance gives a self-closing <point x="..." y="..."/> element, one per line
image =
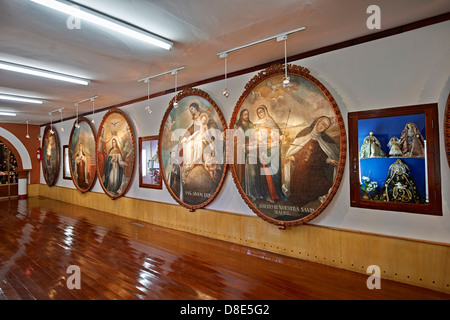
<point x="50" y="155"/>
<point x="289" y="145"/>
<point x="116" y="153"/>
<point x="82" y="151"/>
<point x="192" y="148"/>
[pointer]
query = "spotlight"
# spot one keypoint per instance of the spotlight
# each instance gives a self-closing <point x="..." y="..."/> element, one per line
<point x="286" y="81"/>
<point x="225" y="93"/>
<point x="147" y="108"/>
<point x="175" y="104"/>
<point x="77" y="126"/>
<point x="27" y="136"/>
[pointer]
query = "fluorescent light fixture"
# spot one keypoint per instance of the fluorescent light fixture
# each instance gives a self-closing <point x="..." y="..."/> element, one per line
<point x="9" y="114"/>
<point x="41" y="73"/>
<point x="106" y="22"/>
<point x="19" y="99"/>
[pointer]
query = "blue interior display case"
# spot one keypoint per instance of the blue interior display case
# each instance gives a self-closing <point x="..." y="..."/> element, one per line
<point x="394" y="159"/>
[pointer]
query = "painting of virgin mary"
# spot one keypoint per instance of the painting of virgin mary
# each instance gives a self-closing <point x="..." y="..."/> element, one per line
<point x="117" y="147"/>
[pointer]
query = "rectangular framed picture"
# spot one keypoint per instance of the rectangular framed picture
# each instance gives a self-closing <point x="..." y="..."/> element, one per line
<point x="149" y="163"/>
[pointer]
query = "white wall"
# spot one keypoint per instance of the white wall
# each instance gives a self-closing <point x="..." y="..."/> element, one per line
<point x="406" y="69"/>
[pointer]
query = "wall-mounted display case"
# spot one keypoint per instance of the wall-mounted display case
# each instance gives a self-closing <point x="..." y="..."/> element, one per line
<point x="394" y="159"/>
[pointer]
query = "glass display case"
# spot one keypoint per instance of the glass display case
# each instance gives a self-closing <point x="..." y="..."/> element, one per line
<point x="394" y="159"/>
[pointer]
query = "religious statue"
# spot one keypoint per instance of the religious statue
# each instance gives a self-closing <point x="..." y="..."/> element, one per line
<point x="394" y="145"/>
<point x="412" y="142"/>
<point x="399" y="186"/>
<point x="371" y="147"/>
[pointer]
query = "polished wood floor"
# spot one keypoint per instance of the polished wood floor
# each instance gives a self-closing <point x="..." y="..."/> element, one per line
<point x="121" y="259"/>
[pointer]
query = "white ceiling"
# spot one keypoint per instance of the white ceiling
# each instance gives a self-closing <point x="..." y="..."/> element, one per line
<point x="34" y="35"/>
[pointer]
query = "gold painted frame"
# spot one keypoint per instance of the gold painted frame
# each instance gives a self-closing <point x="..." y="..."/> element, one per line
<point x="116" y="144"/>
<point x="87" y="159"/>
<point x="51" y="157"/>
<point x="274" y="106"/>
<point x="177" y="174"/>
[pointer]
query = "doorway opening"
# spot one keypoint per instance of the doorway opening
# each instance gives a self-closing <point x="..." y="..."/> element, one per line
<point x="9" y="178"/>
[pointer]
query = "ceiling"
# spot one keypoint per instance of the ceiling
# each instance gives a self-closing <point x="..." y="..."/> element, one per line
<point x="34" y="35"/>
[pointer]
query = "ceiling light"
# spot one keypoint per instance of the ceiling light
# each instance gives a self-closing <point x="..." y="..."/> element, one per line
<point x="60" y="112"/>
<point x="173" y="72"/>
<point x="19" y="99"/>
<point x="9" y="114"/>
<point x="27" y="136"/>
<point x="41" y="73"/>
<point x="225" y="91"/>
<point x="106" y="22"/>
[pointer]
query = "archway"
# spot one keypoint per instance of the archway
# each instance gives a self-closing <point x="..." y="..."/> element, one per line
<point x="23" y="159"/>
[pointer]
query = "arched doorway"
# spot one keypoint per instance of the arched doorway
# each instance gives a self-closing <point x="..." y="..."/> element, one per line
<point x="9" y="177"/>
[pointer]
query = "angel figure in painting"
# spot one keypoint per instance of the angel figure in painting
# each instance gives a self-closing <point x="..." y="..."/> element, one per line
<point x="371" y="147"/>
<point x="114" y="168"/>
<point x="411" y="141"/>
<point x="394" y="145"/>
<point x="81" y="168"/>
<point x="310" y="164"/>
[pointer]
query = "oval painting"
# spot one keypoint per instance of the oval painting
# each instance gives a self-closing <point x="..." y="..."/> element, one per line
<point x="192" y="148"/>
<point x="50" y="155"/>
<point x="289" y="146"/>
<point x="116" y="153"/>
<point x="82" y="149"/>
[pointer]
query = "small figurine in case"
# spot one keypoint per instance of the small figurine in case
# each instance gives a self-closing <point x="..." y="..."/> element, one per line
<point x="412" y="142"/>
<point x="371" y="148"/>
<point x="394" y="145"/>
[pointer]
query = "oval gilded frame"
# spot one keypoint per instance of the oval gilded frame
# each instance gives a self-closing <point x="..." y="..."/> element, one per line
<point x="447" y="129"/>
<point x="51" y="157"/>
<point x="197" y="189"/>
<point x="303" y="100"/>
<point x="115" y="126"/>
<point x="88" y="138"/>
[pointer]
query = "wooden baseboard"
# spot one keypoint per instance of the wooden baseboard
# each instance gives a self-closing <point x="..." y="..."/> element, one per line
<point x="419" y="263"/>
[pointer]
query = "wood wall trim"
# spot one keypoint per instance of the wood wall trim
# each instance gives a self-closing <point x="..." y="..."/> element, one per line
<point x="420" y="263"/>
<point x="337" y="46"/>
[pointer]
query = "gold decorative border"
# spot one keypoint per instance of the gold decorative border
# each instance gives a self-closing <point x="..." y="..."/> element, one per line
<point x="58" y="155"/>
<point x="83" y="119"/>
<point x="304" y="73"/>
<point x="186" y="93"/>
<point x="105" y="117"/>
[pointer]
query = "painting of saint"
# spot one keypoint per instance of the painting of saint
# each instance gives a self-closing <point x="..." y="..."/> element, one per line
<point x="82" y="154"/>
<point x="288" y="160"/>
<point x="51" y="155"/>
<point x="116" y="153"/>
<point x="192" y="149"/>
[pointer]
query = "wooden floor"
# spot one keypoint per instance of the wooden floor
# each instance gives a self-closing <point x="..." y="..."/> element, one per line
<point x="123" y="259"/>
